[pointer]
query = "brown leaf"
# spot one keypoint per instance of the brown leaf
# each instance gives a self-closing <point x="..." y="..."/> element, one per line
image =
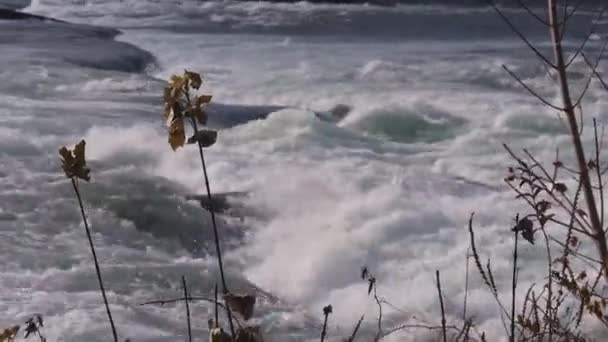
<point x="205" y="137"/>
<point x="9" y="334"/>
<point x="203" y="99"/>
<point x="241" y="304"/>
<point x="219" y="335"/>
<point x="193" y="79"/>
<point x="74" y="163"/>
<point x="177" y="133"/>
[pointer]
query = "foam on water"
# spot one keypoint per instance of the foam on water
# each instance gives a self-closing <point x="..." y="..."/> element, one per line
<point x="390" y="187"/>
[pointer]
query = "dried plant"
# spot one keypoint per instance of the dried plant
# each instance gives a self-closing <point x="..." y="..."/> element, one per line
<point x="326" y="312"/>
<point x="75" y="167"/>
<point x="9" y="334"/>
<point x="180" y="107"/>
<point x="559" y="217"/>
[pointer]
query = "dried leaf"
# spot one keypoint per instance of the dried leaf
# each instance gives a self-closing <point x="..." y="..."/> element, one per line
<point x="193" y="79"/>
<point x="241" y="304"/>
<point x="526" y="227"/>
<point x="205" y="137"/>
<point x="560" y="187"/>
<point x="177" y="133"/>
<point x="9" y="334"/>
<point x="364" y="272"/>
<point x="203" y="99"/>
<point x="74" y="162"/>
<point x="372" y="282"/>
<point x="219" y="335"/>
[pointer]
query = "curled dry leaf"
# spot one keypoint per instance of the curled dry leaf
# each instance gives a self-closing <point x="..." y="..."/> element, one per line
<point x="73" y="162"/>
<point x="9" y="334"/>
<point x="526" y="227"/>
<point x="193" y="79"/>
<point x="205" y="137"/>
<point x="241" y="304"/>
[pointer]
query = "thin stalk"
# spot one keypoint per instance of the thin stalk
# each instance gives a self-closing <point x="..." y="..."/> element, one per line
<point x="187" y="308"/>
<point x="97" y="269"/>
<point x="217" y="317"/>
<point x="324" y="331"/>
<point x="513" y="289"/>
<point x="215" y="230"/>
<point x="443" y="328"/>
<point x="599" y="236"/>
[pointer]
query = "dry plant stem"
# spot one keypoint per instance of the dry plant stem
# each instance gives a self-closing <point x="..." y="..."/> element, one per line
<point x="513" y="289"/>
<point x="600" y="183"/>
<point x="599" y="237"/>
<point x="216" y="311"/>
<point x="379" y="303"/>
<point x="324" y="331"/>
<point x="356" y="330"/>
<point x="466" y="287"/>
<point x="190" y="299"/>
<point x="215" y="230"/>
<point x="187" y="308"/>
<point x="97" y="269"/>
<point x="443" y="328"/>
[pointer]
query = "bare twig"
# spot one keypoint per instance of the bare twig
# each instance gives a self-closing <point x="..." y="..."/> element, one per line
<point x="443" y="329"/>
<point x="190" y="298"/>
<point x="96" y="262"/>
<point x="520" y="34"/>
<point x="326" y="311"/>
<point x="187" y="308"/>
<point x="514" y="288"/>
<point x="214" y="223"/>
<point x="356" y="330"/>
<point x="531" y="91"/>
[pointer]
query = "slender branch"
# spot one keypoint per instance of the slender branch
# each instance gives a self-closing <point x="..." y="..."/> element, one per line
<point x="187" y="308"/>
<point x="97" y="268"/>
<point x="466" y="287"/>
<point x="580" y="49"/>
<point x="514" y="289"/>
<point x="326" y="311"/>
<point x="443" y="328"/>
<point x="530" y="90"/>
<point x="190" y="299"/>
<point x="215" y="229"/>
<point x="594" y="70"/>
<point x="597" y="170"/>
<point x="593" y="73"/>
<point x="378" y="302"/>
<point x="356" y="330"/>
<point x="532" y="13"/>
<point x="520" y="34"/>
<point x="216" y="311"/>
